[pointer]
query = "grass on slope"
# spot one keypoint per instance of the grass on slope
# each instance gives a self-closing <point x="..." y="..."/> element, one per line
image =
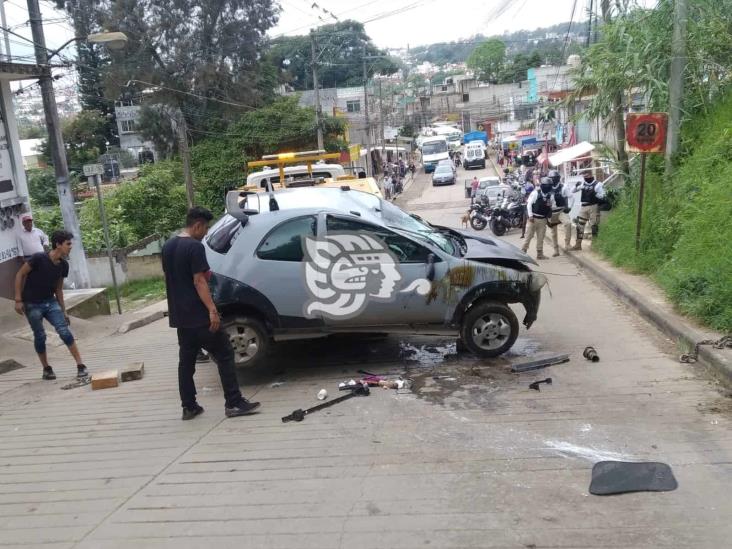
<point x="687" y="222"/>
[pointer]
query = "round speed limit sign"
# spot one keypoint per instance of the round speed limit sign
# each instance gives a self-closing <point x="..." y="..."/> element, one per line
<point x="646" y="132"/>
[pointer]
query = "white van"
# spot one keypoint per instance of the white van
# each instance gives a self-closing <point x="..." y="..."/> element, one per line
<point x="474" y="155"/>
<point x="320" y="170"/>
<point x="434" y="149"/>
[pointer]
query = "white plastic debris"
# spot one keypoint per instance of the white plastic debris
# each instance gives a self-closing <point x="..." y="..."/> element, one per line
<point x="322" y="394"/>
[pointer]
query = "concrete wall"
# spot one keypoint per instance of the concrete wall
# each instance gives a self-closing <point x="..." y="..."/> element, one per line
<point x="126" y="267"/>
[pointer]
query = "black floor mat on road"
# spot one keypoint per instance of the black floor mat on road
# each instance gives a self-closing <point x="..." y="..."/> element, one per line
<point x="619" y="477"/>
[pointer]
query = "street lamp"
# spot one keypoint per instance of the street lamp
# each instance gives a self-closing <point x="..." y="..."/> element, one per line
<point x="112" y="40"/>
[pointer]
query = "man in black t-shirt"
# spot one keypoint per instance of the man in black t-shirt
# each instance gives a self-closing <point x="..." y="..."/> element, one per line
<point x="192" y="312"/>
<point x="39" y="294"/>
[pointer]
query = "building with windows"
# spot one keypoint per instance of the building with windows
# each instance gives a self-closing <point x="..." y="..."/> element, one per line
<point x="348" y="103"/>
<point x="127" y="114"/>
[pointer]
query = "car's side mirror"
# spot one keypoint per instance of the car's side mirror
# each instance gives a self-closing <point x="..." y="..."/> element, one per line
<point x="431" y="267"/>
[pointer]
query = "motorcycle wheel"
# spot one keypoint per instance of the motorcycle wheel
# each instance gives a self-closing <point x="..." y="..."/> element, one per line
<point x="498" y="228"/>
<point x="478" y="223"/>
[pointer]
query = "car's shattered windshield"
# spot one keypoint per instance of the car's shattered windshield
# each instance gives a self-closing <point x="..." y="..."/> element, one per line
<point x="397" y="218"/>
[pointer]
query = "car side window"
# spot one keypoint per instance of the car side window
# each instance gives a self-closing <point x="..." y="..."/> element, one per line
<point x="405" y="249"/>
<point x="284" y="242"/>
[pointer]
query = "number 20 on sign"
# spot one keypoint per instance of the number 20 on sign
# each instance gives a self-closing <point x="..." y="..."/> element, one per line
<point x="646" y="132"/>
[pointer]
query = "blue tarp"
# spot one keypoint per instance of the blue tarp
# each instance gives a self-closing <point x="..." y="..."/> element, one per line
<point x="475" y="136"/>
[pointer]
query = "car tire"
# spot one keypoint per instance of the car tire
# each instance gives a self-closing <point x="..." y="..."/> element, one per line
<point x="250" y="340"/>
<point x="489" y="329"/>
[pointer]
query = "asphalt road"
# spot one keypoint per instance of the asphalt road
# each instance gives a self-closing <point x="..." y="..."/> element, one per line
<point x="472" y="458"/>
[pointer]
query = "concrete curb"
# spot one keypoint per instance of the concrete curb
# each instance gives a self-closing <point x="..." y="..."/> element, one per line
<point x="145" y="316"/>
<point x="674" y="326"/>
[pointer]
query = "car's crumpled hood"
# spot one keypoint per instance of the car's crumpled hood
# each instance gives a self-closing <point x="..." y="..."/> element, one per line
<point x="486" y="247"/>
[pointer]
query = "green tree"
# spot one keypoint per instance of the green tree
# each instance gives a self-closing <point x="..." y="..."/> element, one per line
<point x="340" y="57"/>
<point x="154" y="203"/>
<point x="42" y="187"/>
<point x="633" y="58"/>
<point x="487" y="60"/>
<point x="155" y="125"/>
<point x="203" y="55"/>
<point x="84" y="138"/>
<point x="219" y="163"/>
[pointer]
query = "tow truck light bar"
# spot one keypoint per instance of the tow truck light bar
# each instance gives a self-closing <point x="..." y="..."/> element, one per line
<point x="285" y="156"/>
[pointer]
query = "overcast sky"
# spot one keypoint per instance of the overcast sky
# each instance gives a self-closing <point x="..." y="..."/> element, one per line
<point x="390" y="23"/>
<point x="426" y="21"/>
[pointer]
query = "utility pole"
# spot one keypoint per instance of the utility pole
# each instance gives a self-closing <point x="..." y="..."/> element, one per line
<point x="8" y="57"/>
<point x="318" y="108"/>
<point x="589" y="26"/>
<point x="369" y="167"/>
<point x="676" y="82"/>
<point x="381" y="120"/>
<point x="78" y="268"/>
<point x="181" y="128"/>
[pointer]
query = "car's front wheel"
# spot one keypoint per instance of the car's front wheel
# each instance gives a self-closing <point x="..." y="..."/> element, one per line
<point x="489" y="329"/>
<point x="249" y="338"/>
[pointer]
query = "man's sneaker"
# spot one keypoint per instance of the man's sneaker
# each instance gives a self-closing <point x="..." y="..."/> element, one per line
<point x="202" y="357"/>
<point x="81" y="371"/>
<point x="190" y="413"/>
<point x="244" y="408"/>
<point x="48" y="373"/>
<point x="540" y="255"/>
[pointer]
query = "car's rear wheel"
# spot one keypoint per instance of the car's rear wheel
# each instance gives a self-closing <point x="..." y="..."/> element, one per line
<point x="250" y="340"/>
<point x="489" y="329"/>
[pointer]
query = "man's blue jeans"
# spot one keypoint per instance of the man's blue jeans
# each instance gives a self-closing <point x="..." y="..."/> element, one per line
<point x="51" y="311"/>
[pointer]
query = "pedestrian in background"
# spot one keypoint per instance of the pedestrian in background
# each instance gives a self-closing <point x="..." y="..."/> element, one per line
<point x="192" y="312"/>
<point x="474" y="187"/>
<point x="31" y="240"/>
<point x="39" y="294"/>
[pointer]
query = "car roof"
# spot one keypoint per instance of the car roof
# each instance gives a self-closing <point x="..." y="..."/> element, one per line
<point x="309" y="200"/>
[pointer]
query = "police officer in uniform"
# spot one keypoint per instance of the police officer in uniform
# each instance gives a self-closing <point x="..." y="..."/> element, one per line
<point x="539" y="206"/>
<point x="591" y="194"/>
<point x="563" y="199"/>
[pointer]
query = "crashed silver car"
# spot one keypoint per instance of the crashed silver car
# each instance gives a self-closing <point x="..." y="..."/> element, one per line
<point x="310" y="262"/>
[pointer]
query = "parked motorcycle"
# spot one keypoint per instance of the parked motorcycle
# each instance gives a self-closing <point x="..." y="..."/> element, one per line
<point x="480" y="214"/>
<point x="508" y="215"/>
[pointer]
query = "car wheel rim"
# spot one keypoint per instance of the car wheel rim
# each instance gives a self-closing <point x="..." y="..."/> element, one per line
<point x="245" y="342"/>
<point x="491" y="331"/>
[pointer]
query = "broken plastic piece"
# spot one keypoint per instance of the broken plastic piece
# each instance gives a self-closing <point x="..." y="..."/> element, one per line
<point x="538" y="364"/>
